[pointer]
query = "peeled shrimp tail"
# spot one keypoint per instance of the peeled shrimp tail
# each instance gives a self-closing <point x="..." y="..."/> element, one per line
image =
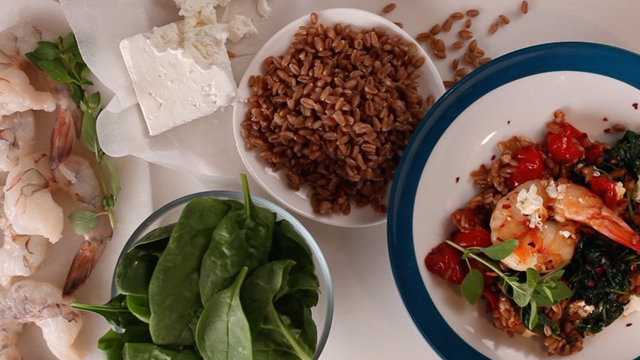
<point x="87" y="257"/>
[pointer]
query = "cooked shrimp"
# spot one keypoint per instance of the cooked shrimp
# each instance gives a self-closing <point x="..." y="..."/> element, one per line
<point x="543" y="216"/>
<point x="16" y="138"/>
<point x="40" y="303"/>
<point x="17" y="92"/>
<point x="31" y="209"/>
<point x="20" y="255"/>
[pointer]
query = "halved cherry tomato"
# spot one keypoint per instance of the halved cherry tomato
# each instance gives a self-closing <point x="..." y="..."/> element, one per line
<point x="593" y="154"/>
<point x="605" y="188"/>
<point x="446" y="262"/>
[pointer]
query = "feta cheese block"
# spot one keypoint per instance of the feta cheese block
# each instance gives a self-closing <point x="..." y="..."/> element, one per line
<point x="179" y="74"/>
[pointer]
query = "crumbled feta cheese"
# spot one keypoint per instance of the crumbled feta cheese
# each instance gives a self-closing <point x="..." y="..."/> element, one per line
<point x="263" y="8"/>
<point x="632" y="306"/>
<point x="620" y="190"/>
<point x="531" y="204"/>
<point x="239" y="27"/>
<point x="551" y="190"/>
<point x="596" y="173"/>
<point x="565" y="233"/>
<point x="562" y="188"/>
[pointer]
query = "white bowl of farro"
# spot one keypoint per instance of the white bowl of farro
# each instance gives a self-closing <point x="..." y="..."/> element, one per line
<point x="332" y="99"/>
<point x="550" y="218"/>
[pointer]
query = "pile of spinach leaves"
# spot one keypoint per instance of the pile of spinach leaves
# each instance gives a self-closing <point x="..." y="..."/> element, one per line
<point x="226" y="281"/>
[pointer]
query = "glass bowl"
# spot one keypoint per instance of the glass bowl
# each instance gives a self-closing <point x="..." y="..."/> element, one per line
<point x="322" y="313"/>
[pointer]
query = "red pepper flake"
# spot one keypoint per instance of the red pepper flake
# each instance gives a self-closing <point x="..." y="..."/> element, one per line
<point x="635" y="106"/>
<point x="629" y="324"/>
<point x="607" y="130"/>
<point x="457" y="179"/>
<point x="508" y="122"/>
<point x="605" y="119"/>
<point x="591" y="282"/>
<point x="493" y="157"/>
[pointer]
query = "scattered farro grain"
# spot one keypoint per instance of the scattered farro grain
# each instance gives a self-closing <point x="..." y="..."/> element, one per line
<point x="607" y="130"/>
<point x="461" y="72"/>
<point x="440" y="54"/>
<point x="440" y="45"/>
<point x="493" y="28"/>
<point x="467" y="24"/>
<point x="619" y="128"/>
<point x="484" y="60"/>
<point x="431" y="100"/>
<point x="399" y="24"/>
<point x="435" y="30"/>
<point x="467" y="58"/>
<point x="457" y="16"/>
<point x="447" y="84"/>
<point x="473" y="13"/>
<point x="423" y="37"/>
<point x="504" y="19"/>
<point x="313" y="18"/>
<point x="454" y="64"/>
<point x="605" y="119"/>
<point x="433" y="42"/>
<point x="465" y="34"/>
<point x="389" y="8"/>
<point x="477" y="52"/>
<point x="459" y="44"/>
<point x="232" y="55"/>
<point x="446" y="26"/>
<point x="524" y="7"/>
<point x="473" y="45"/>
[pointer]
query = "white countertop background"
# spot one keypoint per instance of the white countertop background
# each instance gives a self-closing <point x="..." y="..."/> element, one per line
<point x="370" y="321"/>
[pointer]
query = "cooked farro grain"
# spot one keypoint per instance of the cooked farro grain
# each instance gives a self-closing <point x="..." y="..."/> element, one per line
<point x="504" y="19"/>
<point x="454" y="64"/>
<point x="399" y="24"/>
<point x="473" y="13"/>
<point x="446" y="26"/>
<point x="313" y="18"/>
<point x="467" y="24"/>
<point x="618" y="128"/>
<point x="493" y="28"/>
<point x="435" y="29"/>
<point x="335" y="112"/>
<point x="459" y="44"/>
<point x="423" y="37"/>
<point x="465" y="34"/>
<point x="456" y="16"/>
<point x="524" y="7"/>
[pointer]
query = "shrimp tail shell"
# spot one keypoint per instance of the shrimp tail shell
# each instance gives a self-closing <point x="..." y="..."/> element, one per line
<point x="65" y="131"/>
<point x="83" y="263"/>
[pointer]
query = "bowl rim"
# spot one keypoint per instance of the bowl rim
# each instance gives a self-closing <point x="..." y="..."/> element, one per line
<point x="606" y="60"/>
<point x="143" y="228"/>
<point x="429" y="68"/>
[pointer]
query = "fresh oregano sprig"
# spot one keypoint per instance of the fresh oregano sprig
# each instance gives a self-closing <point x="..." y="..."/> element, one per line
<point x="535" y="291"/>
<point x="61" y="60"/>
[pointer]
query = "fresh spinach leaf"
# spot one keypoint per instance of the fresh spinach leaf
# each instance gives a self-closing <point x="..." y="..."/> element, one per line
<point x="288" y="244"/>
<point x="243" y="238"/>
<point x="112" y="343"/>
<point x="135" y="351"/>
<point x="278" y="332"/>
<point x="625" y="154"/>
<point x="174" y="294"/>
<point x="262" y="288"/>
<point x="134" y="270"/>
<point x="115" y="311"/>
<point x="223" y="331"/>
<point x="161" y="234"/>
<point x="139" y="306"/>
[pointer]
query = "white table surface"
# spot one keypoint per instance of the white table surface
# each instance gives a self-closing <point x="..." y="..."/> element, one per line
<point x="370" y="321"/>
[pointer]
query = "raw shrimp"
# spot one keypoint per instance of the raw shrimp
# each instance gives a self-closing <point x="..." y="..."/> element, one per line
<point x="31" y="209"/>
<point x="17" y="92"/>
<point x="40" y="303"/>
<point x="20" y="255"/>
<point x="16" y="138"/>
<point x="543" y="216"/>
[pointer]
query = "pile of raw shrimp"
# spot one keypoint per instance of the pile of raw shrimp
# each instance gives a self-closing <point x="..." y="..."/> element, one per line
<point x="31" y="218"/>
<point x="530" y="193"/>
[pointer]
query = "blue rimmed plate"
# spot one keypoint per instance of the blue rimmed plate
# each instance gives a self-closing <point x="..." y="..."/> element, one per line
<point x="595" y="85"/>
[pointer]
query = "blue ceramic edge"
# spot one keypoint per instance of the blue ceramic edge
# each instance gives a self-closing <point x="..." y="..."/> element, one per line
<point x="235" y="195"/>
<point x="594" y="58"/>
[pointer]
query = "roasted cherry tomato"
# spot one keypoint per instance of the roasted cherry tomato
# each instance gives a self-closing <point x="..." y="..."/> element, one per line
<point x="446" y="262"/>
<point x="605" y="188"/>
<point x="477" y="237"/>
<point x="562" y="144"/>
<point x="593" y="154"/>
<point x="530" y="166"/>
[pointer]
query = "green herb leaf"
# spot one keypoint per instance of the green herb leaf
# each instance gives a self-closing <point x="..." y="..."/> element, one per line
<point x="472" y="286"/>
<point x="46" y="51"/>
<point x="83" y="221"/>
<point x="533" y="319"/>
<point x="501" y="250"/>
<point x="532" y="278"/>
<point x="69" y="42"/>
<point x="521" y="293"/>
<point x="56" y="70"/>
<point x="94" y="100"/>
